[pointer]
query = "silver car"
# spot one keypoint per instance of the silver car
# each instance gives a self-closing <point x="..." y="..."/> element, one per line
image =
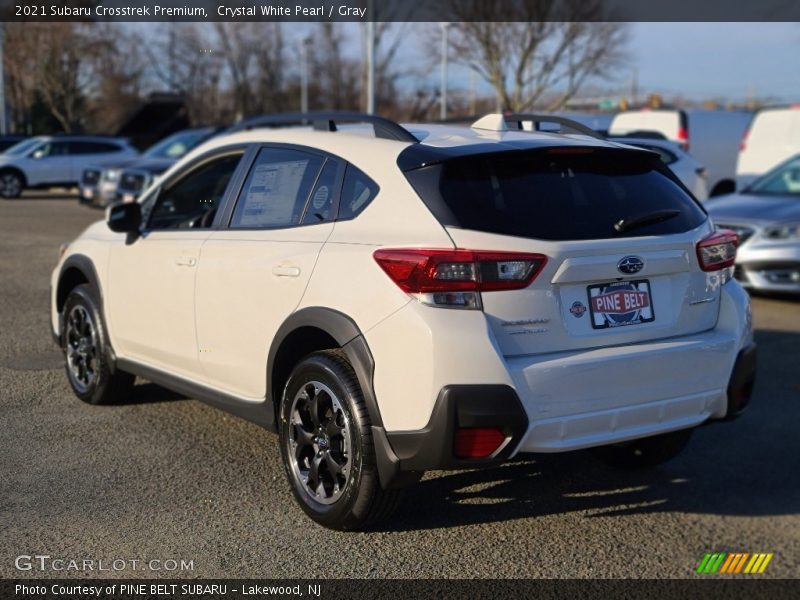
<point x="766" y="215"/>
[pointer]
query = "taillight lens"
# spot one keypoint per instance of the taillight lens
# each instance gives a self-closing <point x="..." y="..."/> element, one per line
<point x="683" y="138"/>
<point x="743" y="143"/>
<point x="455" y="278"/>
<point x="477" y="442"/>
<point x="717" y="251"/>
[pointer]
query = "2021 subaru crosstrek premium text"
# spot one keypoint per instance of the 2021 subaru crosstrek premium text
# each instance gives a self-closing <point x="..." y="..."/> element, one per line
<point x="393" y="300"/>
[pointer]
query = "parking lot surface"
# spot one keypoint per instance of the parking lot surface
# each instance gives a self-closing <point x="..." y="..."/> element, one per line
<point x="165" y="477"/>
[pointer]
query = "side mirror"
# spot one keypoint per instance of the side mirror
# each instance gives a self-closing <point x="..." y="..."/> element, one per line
<point x="38" y="154"/>
<point x="124" y="218"/>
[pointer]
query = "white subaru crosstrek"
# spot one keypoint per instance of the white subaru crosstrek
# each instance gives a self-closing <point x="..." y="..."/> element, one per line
<point x="396" y="299"/>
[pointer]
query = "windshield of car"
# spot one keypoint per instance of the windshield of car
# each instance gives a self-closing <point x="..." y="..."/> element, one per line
<point x="177" y="144"/>
<point x="558" y="194"/>
<point x="784" y="179"/>
<point x="22" y="148"/>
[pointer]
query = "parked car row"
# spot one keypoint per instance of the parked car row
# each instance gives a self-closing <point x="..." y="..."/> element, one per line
<point x="123" y="180"/>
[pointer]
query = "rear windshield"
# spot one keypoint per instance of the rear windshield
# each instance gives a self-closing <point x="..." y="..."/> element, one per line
<point x="551" y="195"/>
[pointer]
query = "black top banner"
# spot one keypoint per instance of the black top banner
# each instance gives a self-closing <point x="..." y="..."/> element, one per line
<point x="402" y="10"/>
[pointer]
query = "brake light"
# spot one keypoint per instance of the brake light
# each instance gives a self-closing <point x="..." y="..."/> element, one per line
<point x="717" y="251"/>
<point x="683" y="138"/>
<point x="743" y="143"/>
<point x="455" y="278"/>
<point x="477" y="442"/>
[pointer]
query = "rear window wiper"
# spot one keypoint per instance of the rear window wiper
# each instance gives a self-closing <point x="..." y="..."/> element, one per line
<point x="656" y="216"/>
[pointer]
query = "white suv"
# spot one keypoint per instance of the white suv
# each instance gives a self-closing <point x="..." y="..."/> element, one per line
<point x="392" y="300"/>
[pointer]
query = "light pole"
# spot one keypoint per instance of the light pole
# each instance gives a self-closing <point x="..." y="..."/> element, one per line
<point x="2" y="81"/>
<point x="371" y="65"/>
<point x="304" y="44"/>
<point x="443" y="84"/>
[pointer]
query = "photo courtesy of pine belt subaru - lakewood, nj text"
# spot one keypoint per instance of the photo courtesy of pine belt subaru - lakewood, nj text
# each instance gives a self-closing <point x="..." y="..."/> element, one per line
<point x="394" y="299"/>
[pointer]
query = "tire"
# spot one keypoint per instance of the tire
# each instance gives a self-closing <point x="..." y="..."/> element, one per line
<point x="328" y="453"/>
<point x="645" y="452"/>
<point x="87" y="356"/>
<point x="11" y="184"/>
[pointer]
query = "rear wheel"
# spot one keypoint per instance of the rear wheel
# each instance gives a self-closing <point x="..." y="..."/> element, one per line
<point x="326" y="445"/>
<point x="11" y="184"/>
<point x="89" y="366"/>
<point x="646" y="452"/>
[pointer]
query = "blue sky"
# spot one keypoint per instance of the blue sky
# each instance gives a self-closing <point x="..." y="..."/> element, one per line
<point x="703" y="60"/>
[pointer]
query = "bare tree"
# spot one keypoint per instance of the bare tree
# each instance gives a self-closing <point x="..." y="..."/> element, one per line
<point x="336" y="77"/>
<point x="118" y="69"/>
<point x="48" y="64"/>
<point x="387" y="39"/>
<point x="549" y="51"/>
<point x="185" y="59"/>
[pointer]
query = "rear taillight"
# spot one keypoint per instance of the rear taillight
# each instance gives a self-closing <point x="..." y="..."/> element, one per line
<point x="743" y="143"/>
<point x="477" y="442"/>
<point x="683" y="138"/>
<point x="455" y="278"/>
<point x="717" y="251"/>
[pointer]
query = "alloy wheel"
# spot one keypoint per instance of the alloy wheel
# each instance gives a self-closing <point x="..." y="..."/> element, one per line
<point x="81" y="348"/>
<point x="319" y="443"/>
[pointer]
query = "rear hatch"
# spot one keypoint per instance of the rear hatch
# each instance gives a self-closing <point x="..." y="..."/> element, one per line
<point x="602" y="285"/>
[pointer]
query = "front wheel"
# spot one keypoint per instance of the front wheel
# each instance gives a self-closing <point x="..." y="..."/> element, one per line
<point x="645" y="452"/>
<point x="326" y="445"/>
<point x="11" y="184"/>
<point x="89" y="366"/>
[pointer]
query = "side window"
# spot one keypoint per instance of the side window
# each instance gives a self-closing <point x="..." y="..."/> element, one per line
<point x="277" y="187"/>
<point x="192" y="201"/>
<point x="52" y="149"/>
<point x="92" y="147"/>
<point x="357" y="192"/>
<point x="320" y="207"/>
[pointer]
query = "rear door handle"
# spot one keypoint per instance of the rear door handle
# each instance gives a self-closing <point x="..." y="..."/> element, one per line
<point x="186" y="261"/>
<point x="284" y="271"/>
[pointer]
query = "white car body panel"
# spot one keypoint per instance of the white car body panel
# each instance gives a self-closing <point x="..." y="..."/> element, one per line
<point x="666" y="122"/>
<point x="248" y="283"/>
<point x="773" y="136"/>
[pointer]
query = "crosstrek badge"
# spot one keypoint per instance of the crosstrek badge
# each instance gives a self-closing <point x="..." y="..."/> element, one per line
<point x="620" y="303"/>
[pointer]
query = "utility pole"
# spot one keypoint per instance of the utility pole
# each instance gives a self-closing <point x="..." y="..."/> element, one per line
<point x="443" y="88"/>
<point x="371" y="57"/>
<point x="304" y="44"/>
<point x="473" y="92"/>
<point x="2" y="80"/>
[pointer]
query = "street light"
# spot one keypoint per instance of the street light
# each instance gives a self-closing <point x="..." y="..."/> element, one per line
<point x="371" y="57"/>
<point x="304" y="44"/>
<point x="443" y="89"/>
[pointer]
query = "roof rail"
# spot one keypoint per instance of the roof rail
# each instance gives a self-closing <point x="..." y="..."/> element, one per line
<point x="327" y="121"/>
<point x="519" y="118"/>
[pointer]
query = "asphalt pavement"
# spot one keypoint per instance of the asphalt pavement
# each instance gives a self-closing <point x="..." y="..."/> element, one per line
<point x="167" y="478"/>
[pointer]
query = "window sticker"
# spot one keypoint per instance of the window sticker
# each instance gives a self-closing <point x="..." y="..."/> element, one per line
<point x="272" y="193"/>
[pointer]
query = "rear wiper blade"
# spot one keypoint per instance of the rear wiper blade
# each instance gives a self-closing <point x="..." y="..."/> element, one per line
<point x="646" y="219"/>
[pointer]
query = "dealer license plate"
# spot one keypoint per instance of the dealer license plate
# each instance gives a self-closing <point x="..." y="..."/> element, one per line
<point x="620" y="303"/>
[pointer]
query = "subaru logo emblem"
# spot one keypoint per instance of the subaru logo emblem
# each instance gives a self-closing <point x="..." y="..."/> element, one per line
<point x="630" y="265"/>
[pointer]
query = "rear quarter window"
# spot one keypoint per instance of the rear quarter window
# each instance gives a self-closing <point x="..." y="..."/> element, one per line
<point x="556" y="196"/>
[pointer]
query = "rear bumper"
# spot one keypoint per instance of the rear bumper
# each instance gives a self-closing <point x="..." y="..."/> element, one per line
<point x="740" y="387"/>
<point x="461" y="406"/>
<point x="562" y="401"/>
